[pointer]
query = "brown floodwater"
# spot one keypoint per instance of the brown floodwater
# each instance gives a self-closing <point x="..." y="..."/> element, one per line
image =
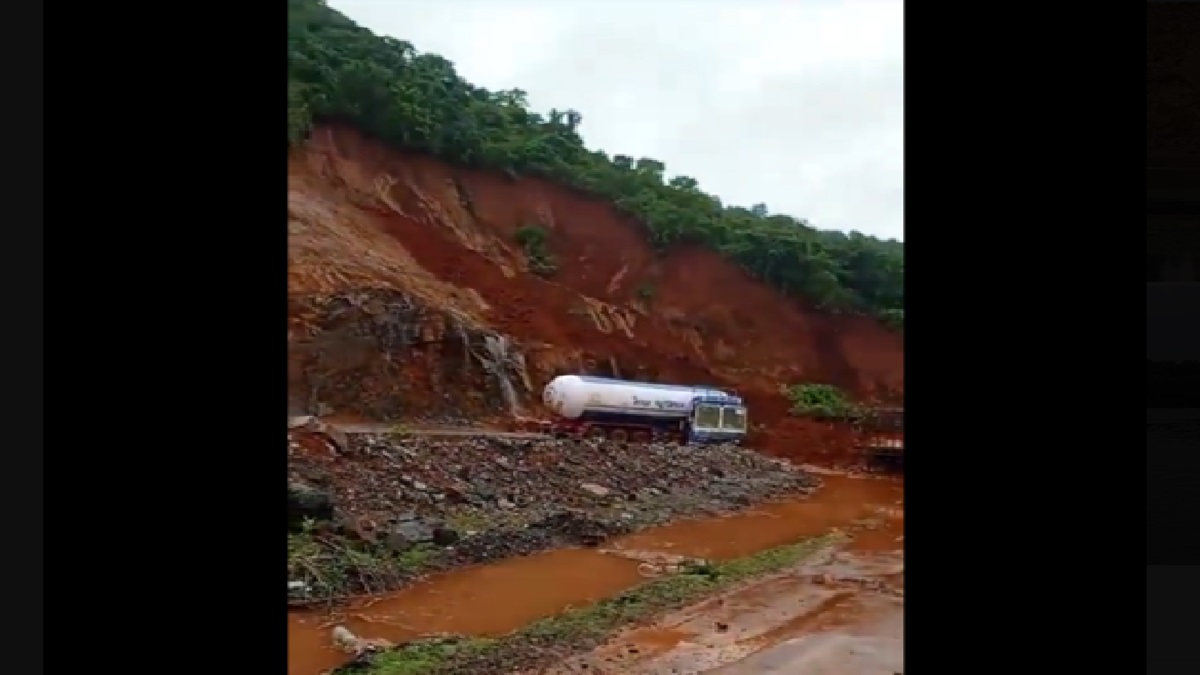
<point x="497" y="598"/>
<point x="483" y="600"/>
<point x="839" y="613"/>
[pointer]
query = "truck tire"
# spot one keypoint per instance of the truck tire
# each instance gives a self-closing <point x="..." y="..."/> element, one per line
<point x="641" y="437"/>
<point x="619" y="435"/>
<point x="596" y="433"/>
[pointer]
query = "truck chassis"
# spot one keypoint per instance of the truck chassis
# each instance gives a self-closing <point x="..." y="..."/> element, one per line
<point x="615" y="431"/>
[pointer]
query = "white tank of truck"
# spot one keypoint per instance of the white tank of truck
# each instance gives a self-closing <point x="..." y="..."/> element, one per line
<point x="572" y="396"/>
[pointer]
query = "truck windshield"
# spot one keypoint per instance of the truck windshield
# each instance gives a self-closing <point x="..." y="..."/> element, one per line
<point x="733" y="418"/>
<point x="707" y="417"/>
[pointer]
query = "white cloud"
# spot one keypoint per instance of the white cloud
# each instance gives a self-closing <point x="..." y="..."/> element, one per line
<point x="798" y="104"/>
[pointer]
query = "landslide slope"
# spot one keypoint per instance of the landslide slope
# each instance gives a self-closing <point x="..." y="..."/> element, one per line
<point x="451" y="250"/>
<point x="366" y="220"/>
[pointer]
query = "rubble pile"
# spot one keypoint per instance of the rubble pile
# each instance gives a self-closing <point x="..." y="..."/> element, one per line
<point x="478" y="499"/>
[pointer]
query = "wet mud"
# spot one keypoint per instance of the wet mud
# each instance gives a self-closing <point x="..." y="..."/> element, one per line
<point x="851" y="587"/>
<point x="842" y="613"/>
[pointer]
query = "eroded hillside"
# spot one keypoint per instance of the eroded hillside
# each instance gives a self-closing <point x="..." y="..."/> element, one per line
<point x="411" y="298"/>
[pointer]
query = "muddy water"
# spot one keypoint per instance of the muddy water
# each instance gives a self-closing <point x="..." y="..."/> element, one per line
<point x="484" y="600"/>
<point x="841" y="613"/>
<point x="498" y="598"/>
<point x="839" y="504"/>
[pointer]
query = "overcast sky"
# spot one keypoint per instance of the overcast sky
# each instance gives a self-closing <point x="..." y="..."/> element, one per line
<point x="798" y="104"/>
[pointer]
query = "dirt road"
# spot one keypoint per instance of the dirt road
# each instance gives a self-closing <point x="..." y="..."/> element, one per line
<point x="351" y="427"/>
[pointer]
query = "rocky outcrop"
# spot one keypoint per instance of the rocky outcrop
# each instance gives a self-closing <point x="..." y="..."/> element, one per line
<point x="384" y="355"/>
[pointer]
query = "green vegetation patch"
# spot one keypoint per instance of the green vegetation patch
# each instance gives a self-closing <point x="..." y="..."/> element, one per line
<point x="582" y="628"/>
<point x="821" y="400"/>
<point x="532" y="239"/>
<point x="341" y="72"/>
<point x="327" y="568"/>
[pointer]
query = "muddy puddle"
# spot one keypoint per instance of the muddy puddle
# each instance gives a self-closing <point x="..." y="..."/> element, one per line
<point x="501" y="597"/>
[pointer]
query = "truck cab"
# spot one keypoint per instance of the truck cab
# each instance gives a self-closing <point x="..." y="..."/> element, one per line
<point x="717" y="419"/>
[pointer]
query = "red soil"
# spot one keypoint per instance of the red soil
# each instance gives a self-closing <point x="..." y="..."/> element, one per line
<point x="365" y="216"/>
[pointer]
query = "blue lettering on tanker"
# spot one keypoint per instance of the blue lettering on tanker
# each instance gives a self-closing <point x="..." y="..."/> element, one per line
<point x="659" y="404"/>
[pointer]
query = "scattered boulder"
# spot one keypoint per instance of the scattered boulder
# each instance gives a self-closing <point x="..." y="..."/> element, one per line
<point x="337" y="437"/>
<point x="445" y="536"/>
<point x="348" y="642"/>
<point x="407" y="534"/>
<point x="598" y="490"/>
<point x="299" y="593"/>
<point x="299" y="421"/>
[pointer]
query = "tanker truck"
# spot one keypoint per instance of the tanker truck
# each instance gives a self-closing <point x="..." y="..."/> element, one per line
<point x="598" y="407"/>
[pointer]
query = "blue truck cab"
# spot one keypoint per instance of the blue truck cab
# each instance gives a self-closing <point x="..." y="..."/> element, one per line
<point x="717" y="419"/>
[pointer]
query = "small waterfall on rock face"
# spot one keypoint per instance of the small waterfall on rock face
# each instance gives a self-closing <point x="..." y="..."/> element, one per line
<point x="497" y="362"/>
<point x="465" y="338"/>
<point x="518" y="364"/>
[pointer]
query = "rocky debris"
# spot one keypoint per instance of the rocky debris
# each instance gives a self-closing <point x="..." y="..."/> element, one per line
<point x="598" y="490"/>
<point x="348" y="642"/>
<point x="299" y="593"/>
<point x="445" y="536"/>
<point x="480" y="499"/>
<point x="654" y="564"/>
<point x="307" y="503"/>
<point x="497" y="480"/>
<point x="565" y="528"/>
<point x="409" y="533"/>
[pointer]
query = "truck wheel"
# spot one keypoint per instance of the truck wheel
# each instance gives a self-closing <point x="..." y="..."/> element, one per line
<point x="641" y="437"/>
<point x="596" y="433"/>
<point x="619" y="435"/>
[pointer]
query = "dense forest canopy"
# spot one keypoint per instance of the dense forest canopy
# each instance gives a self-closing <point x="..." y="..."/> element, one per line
<point x="340" y="71"/>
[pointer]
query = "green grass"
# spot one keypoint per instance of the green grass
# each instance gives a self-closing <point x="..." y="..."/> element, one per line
<point x="426" y="657"/>
<point x="417" y="558"/>
<point x="468" y="519"/>
<point x="584" y="627"/>
<point x="334" y="567"/>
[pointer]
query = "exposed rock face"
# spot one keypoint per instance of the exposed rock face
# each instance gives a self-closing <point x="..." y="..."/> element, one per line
<point x="382" y="355"/>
